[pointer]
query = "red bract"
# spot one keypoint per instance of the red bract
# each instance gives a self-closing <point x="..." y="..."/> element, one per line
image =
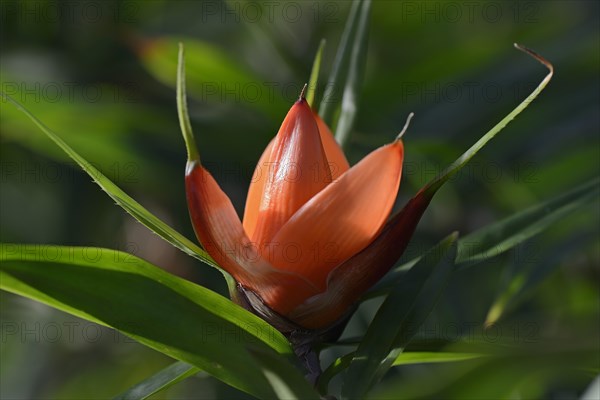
<point x="311" y="241"/>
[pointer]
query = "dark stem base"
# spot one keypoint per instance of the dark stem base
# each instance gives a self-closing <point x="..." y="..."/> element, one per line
<point x="304" y="341"/>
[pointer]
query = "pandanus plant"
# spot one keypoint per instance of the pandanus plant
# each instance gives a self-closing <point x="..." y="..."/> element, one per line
<point x="316" y="233"/>
<point x="316" y="237"/>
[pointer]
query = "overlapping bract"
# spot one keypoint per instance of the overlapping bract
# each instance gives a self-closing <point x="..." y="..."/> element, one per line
<point x="307" y="219"/>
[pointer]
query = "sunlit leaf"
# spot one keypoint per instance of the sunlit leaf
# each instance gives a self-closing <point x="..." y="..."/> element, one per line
<point x="431" y="188"/>
<point x="425" y="357"/>
<point x="169" y="314"/>
<point x="134" y="208"/>
<point x="314" y="75"/>
<point x="593" y="391"/>
<point x="182" y="109"/>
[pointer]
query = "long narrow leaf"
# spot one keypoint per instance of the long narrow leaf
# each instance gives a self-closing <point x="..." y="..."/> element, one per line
<point x="398" y="318"/>
<point x="521" y="276"/>
<point x="340" y="64"/>
<point x="162" y="380"/>
<point x="494" y="239"/>
<point x="428" y="357"/>
<point x="188" y="137"/>
<point x="336" y="367"/>
<point x="314" y="75"/>
<point x="524" y="371"/>
<point x="446" y="174"/>
<point x="134" y="208"/>
<point x="406" y="358"/>
<point x="356" y="66"/>
<point x="347" y="71"/>
<point x="169" y="314"/>
<point x="182" y="109"/>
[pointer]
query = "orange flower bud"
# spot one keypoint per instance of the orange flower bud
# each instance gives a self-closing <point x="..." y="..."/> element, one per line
<point x="311" y="241"/>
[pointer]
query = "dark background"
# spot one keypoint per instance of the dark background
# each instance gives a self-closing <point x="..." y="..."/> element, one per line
<point x="101" y="74"/>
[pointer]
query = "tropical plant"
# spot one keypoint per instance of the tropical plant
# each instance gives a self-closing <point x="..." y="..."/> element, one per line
<point x="268" y="344"/>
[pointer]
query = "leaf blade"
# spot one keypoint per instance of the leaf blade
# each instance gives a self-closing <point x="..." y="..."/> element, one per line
<point x="314" y="75"/>
<point x="357" y="63"/>
<point x="398" y="318"/>
<point x="160" y="381"/>
<point x="431" y="188"/>
<point x="425" y="357"/>
<point x="131" y="206"/>
<point x="169" y="314"/>
<point x="498" y="237"/>
<point x="347" y="71"/>
<point x="478" y="246"/>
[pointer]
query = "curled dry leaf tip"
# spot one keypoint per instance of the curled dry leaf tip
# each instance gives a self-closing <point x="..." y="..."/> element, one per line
<point x="535" y="55"/>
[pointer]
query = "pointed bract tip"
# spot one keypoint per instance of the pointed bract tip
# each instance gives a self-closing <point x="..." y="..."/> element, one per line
<point x="406" y="124"/>
<point x="303" y="93"/>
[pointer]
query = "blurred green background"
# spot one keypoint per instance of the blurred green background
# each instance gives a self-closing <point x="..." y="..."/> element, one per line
<point x="101" y="74"/>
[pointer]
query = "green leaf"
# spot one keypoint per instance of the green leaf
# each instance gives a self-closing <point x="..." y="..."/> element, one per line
<point x="503" y="235"/>
<point x="182" y="109"/>
<point x="107" y="140"/>
<point x="135" y="209"/>
<point x="169" y="314"/>
<point x="339" y="365"/>
<point x="347" y="72"/>
<point x="314" y="75"/>
<point x="162" y="380"/>
<point x="399" y="317"/>
<point x="428" y="357"/>
<point x="405" y="358"/>
<point x="432" y="187"/>
<point x="523" y="275"/>
<point x="526" y="372"/>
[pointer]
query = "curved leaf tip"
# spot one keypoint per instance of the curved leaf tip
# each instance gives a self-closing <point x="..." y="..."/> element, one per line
<point x="182" y="109"/>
